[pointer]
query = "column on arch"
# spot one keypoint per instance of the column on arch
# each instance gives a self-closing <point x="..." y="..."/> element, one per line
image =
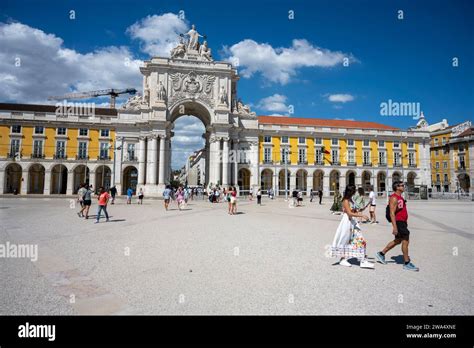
<point x="151" y="160"/>
<point x="326" y="184"/>
<point x="70" y="182"/>
<point x="162" y="160"/>
<point x="225" y="161"/>
<point x="141" y="160"/>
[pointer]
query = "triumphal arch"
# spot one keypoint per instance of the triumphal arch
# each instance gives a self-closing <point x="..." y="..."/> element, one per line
<point x="189" y="82"/>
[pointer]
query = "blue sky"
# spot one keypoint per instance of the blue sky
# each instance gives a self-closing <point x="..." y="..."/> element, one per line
<point x="408" y="60"/>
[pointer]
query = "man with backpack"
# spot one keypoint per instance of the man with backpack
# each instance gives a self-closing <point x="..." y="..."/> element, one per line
<point x="397" y="214"/>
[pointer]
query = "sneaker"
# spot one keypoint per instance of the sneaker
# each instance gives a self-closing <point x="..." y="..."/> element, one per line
<point x="410" y="267"/>
<point x="96" y="222"/>
<point x="345" y="263"/>
<point x="380" y="258"/>
<point x="366" y="264"/>
<point x="107" y="220"/>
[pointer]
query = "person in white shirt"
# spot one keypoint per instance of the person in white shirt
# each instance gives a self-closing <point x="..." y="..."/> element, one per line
<point x="372" y="206"/>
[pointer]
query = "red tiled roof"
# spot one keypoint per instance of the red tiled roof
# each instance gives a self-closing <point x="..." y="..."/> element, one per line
<point x="319" y="122"/>
<point x="469" y="131"/>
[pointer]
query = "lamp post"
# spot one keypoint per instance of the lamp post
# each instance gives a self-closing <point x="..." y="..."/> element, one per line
<point x="286" y="173"/>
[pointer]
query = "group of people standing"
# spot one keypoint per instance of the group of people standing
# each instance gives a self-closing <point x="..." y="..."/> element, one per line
<point x="84" y="197"/>
<point x="349" y="243"/>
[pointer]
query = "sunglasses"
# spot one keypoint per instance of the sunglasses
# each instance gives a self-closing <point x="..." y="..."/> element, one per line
<point x="401" y="185"/>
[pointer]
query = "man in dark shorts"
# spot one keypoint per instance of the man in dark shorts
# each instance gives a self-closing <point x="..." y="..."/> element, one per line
<point x="399" y="218"/>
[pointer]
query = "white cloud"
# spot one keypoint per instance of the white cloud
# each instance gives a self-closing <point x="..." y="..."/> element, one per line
<point x="340" y="98"/>
<point x="280" y="64"/>
<point x="158" y="34"/>
<point x="35" y="65"/>
<point x="273" y="103"/>
<point x="188" y="131"/>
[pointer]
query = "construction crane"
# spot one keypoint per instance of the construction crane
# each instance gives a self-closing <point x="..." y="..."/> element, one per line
<point x="114" y="93"/>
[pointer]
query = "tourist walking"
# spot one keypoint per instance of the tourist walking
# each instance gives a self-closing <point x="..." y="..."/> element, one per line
<point x="398" y="215"/>
<point x="167" y="196"/>
<point x="311" y="195"/>
<point x="348" y="241"/>
<point x="299" y="198"/>
<point x="259" y="196"/>
<point x="228" y="199"/>
<point x="372" y="206"/>
<point x="87" y="201"/>
<point x="129" y="195"/>
<point x="113" y="192"/>
<point x="80" y="198"/>
<point x="233" y="200"/>
<point x="103" y="200"/>
<point x="320" y="194"/>
<point x="140" y="196"/>
<point x="294" y="195"/>
<point x="180" y="197"/>
<point x="359" y="202"/>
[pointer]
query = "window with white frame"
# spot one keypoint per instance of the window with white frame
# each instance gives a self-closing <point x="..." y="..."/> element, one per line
<point x="60" y="149"/>
<point x="334" y="141"/>
<point x="318" y="141"/>
<point x="445" y="165"/>
<point x="39" y="130"/>
<point x="366" y="157"/>
<point x="16" y="129"/>
<point x="444" y="140"/>
<point x="104" y="133"/>
<point x="83" y="132"/>
<point x="411" y="144"/>
<point x="335" y="156"/>
<point x="437" y="165"/>
<point x="284" y="139"/>
<point x="436" y="152"/>
<point x="82" y="151"/>
<point x="437" y="178"/>
<point x="301" y="140"/>
<point x="131" y="152"/>
<point x="397" y="158"/>
<point x="267" y="139"/>
<point x="366" y="142"/>
<point x="61" y="131"/>
<point x="411" y="159"/>
<point x="381" y="143"/>
<point x="436" y="141"/>
<point x="462" y="164"/>
<point x="104" y="150"/>
<point x="446" y="178"/>
<point x="318" y="156"/>
<point x="14" y="147"/>
<point x="382" y="158"/>
<point x="302" y="155"/>
<point x="267" y="154"/>
<point x="350" y="156"/>
<point x="38" y="148"/>
<point x="396" y="144"/>
<point x="350" y="142"/>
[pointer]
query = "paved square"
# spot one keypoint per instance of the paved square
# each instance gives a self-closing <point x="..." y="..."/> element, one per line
<point x="266" y="260"/>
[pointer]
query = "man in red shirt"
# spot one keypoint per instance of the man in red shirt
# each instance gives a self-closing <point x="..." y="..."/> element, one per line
<point x="103" y="199"/>
<point x="399" y="218"/>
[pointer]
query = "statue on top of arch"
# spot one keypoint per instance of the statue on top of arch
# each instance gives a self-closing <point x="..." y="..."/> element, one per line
<point x="192" y="47"/>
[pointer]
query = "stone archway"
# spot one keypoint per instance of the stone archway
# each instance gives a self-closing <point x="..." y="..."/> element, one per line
<point x="381" y="182"/>
<point x="81" y="176"/>
<point x="366" y="180"/>
<point x="36" y="174"/>
<point x="244" y="181"/>
<point x="396" y="176"/>
<point x="301" y="182"/>
<point x="130" y="179"/>
<point x="464" y="182"/>
<point x="334" y="177"/>
<point x="58" y="179"/>
<point x="13" y="173"/>
<point x="281" y="181"/>
<point x="350" y="177"/>
<point x="318" y="180"/>
<point x="411" y="176"/>
<point x="102" y="177"/>
<point x="266" y="179"/>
